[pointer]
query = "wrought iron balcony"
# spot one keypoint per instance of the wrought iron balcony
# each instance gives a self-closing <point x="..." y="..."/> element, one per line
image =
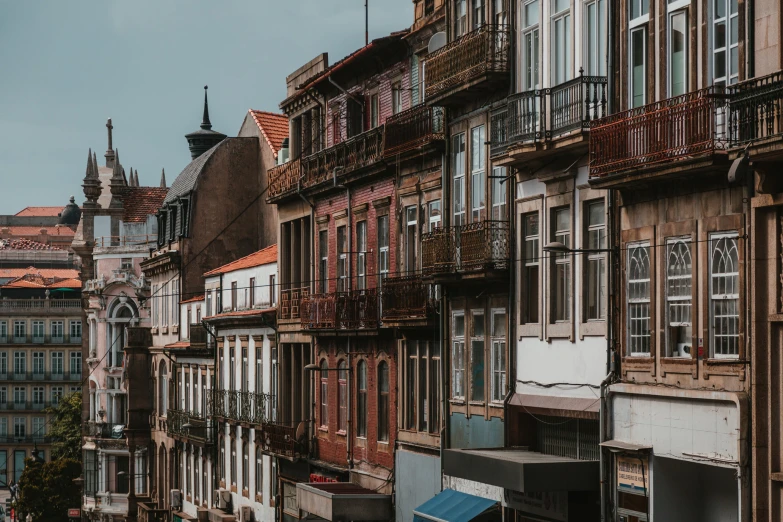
<point x="104" y="430"/>
<point x="406" y="298"/>
<point x="416" y="127"/>
<point x="545" y="114"/>
<point x="239" y="406"/>
<point x="283" y="178"/>
<point x="479" y="246"/>
<point x="290" y="301"/>
<point x="684" y="127"/>
<point x="190" y="426"/>
<point x="474" y="59"/>
<point x="285" y="439"/>
<point x="348" y="156"/>
<point x="341" y="310"/>
<point x="755" y="109"/>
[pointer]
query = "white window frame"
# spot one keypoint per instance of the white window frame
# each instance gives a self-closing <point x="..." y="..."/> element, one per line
<point x="361" y="256"/>
<point x="498" y="358"/>
<point x="3" y="332"/>
<point x="478" y="169"/>
<point x="411" y="227"/>
<point x="460" y="18"/>
<point x="478" y="339"/>
<point x="564" y="236"/>
<point x="458" y="170"/>
<point x="57" y="329"/>
<point x="643" y="17"/>
<point x="39" y="331"/>
<point x="4" y="364"/>
<point x="478" y="13"/>
<point x="677" y="300"/>
<point x="58" y="363"/>
<point x="724" y="297"/>
<point x="674" y="11"/>
<point x="630" y="302"/>
<point x="596" y="257"/>
<point x="342" y="259"/>
<point x="595" y="38"/>
<point x="560" y="64"/>
<point x="499" y="196"/>
<point x="531" y="51"/>
<point x="634" y="30"/>
<point x="382" y="223"/>
<point x="535" y="261"/>
<point x="39" y="363"/>
<point x="458" y="358"/>
<point x="731" y="77"/>
<point x="434" y="219"/>
<point x="75" y="330"/>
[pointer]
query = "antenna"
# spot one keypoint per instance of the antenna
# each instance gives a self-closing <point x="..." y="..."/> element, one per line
<point x="366" y="23"/>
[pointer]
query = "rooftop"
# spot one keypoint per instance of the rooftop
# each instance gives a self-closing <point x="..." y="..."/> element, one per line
<point x="61" y="273"/>
<point x="40" y="211"/>
<point x="24" y="244"/>
<point x="273" y="126"/>
<point x="141" y="202"/>
<point x="55" y="230"/>
<point x="262" y="257"/>
<point x="34" y="278"/>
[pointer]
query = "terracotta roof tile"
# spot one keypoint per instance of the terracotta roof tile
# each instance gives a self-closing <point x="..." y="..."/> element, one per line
<point x="40" y="211"/>
<point x="33" y="278"/>
<point x="61" y="273"/>
<point x="179" y="345"/>
<point x="262" y="257"/>
<point x="56" y="230"/>
<point x="273" y="126"/>
<point x="140" y="202"/>
<point x="193" y="299"/>
<point x="24" y="244"/>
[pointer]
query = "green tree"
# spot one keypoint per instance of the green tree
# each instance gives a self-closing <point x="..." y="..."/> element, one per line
<point x="66" y="428"/>
<point x="47" y="490"/>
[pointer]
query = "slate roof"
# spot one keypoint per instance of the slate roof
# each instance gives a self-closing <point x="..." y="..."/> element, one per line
<point x="262" y="257"/>
<point x="188" y="178"/>
<point x="140" y="202"/>
<point x="273" y="126"/>
<point x="40" y="211"/>
<point x="24" y="244"/>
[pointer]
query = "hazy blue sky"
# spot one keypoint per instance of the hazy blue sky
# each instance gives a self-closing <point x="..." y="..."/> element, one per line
<point x="66" y="66"/>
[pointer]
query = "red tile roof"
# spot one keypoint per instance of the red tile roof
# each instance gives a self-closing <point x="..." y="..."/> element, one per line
<point x="193" y="299"/>
<point x="61" y="273"/>
<point x="179" y="344"/>
<point x="56" y="230"/>
<point x="33" y="278"/>
<point x="40" y="211"/>
<point x="24" y="244"/>
<point x="140" y="202"/>
<point x="262" y="257"/>
<point x="273" y="126"/>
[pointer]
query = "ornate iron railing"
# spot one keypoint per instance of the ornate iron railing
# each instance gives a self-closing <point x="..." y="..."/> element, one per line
<point x="341" y="310"/>
<point x="359" y="151"/>
<point x="483" y="245"/>
<point x="687" y="126"/>
<point x="190" y="425"/>
<point x="413" y="128"/>
<point x="281" y="439"/>
<point x="406" y="297"/>
<point x="239" y="406"/>
<point x="484" y="50"/>
<point x="283" y="178"/>
<point x="290" y="302"/>
<point x="755" y="109"/>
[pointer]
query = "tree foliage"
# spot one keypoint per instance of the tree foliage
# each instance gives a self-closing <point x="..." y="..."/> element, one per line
<point x="47" y="490"/>
<point x="66" y="429"/>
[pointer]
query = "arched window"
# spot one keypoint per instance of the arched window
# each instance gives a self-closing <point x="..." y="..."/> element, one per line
<point x="259" y="473"/>
<point x="383" y="401"/>
<point x="724" y="295"/>
<point x="342" y="396"/>
<point x="163" y="389"/>
<point x="638" y="296"/>
<point x="679" y="285"/>
<point x="122" y="313"/>
<point x="324" y="393"/>
<point x="245" y="466"/>
<point x="361" y="399"/>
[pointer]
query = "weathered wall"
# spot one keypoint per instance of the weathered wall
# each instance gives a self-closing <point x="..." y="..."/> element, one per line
<point x="417" y="479"/>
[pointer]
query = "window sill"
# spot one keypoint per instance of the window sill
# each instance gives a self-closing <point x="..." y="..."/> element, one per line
<point x="245" y="493"/>
<point x="341" y="433"/>
<point x="259" y="499"/>
<point x="458" y="402"/>
<point x="164" y="330"/>
<point x="324" y="429"/>
<point x="727" y="361"/>
<point x="175" y="329"/>
<point x="233" y="488"/>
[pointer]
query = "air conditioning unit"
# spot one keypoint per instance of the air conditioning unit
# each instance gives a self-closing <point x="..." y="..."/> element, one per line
<point x="223" y="498"/>
<point x="245" y="514"/>
<point x="176" y="499"/>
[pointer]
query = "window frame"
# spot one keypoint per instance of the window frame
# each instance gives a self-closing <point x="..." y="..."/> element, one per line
<point x="667" y="299"/>
<point x="411" y="238"/>
<point x="526" y="326"/>
<point x="531" y="51"/>
<point x="629" y="301"/>
<point x="498" y="346"/>
<point x="342" y="258"/>
<point x="383" y="401"/>
<point x="342" y="397"/>
<point x="384" y="259"/>
<point x="361" y="399"/>
<point x="565" y="236"/>
<point x="478" y="173"/>
<point x="458" y="356"/>
<point x="558" y="68"/>
<point x="458" y="158"/>
<point x="479" y="340"/>
<point x="361" y="255"/>
<point x="639" y="27"/>
<point x="717" y="237"/>
<point x="323" y="395"/>
<point x="323" y="268"/>
<point x="460" y="25"/>
<point x="601" y="258"/>
<point x="674" y="10"/>
<point x="596" y="39"/>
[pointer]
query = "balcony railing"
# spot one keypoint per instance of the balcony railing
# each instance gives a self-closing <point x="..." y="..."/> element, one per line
<point x="755" y="109"/>
<point x="413" y="128"/>
<point x="150" y="512"/>
<point x="683" y="127"/>
<point x="190" y="426"/>
<point x="126" y="241"/>
<point x="290" y="301"/>
<point x="544" y="114"/>
<point x="359" y="151"/>
<point x="283" y="178"/>
<point x="406" y="298"/>
<point x="484" y="50"/>
<point x="104" y="430"/>
<point x="24" y="305"/>
<point x="239" y="406"/>
<point x="483" y="245"/>
<point x="281" y="439"/>
<point x="341" y="310"/>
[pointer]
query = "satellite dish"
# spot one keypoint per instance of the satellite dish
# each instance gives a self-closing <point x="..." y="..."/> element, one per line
<point x="437" y="41"/>
<point x="300" y="431"/>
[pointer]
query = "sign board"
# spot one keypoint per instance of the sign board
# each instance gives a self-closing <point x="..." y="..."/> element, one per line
<point x="633" y="474"/>
<point x="75" y="513"/>
<point x="552" y="505"/>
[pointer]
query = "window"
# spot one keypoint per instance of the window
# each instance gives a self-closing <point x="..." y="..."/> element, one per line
<point x="477" y="164"/>
<point x="20" y="427"/>
<point x="20" y="395"/>
<point x="222" y="461"/>
<point x="595" y="37"/>
<point x="460" y="18"/>
<point x="638" y="56"/>
<point x="38" y="363"/>
<point x="342" y="396"/>
<point x="396" y="97"/>
<point x="38" y="331"/>
<point x="259" y="370"/>
<point x="245" y="370"/>
<point x="39" y="427"/>
<point x="429" y="7"/>
<point x="174" y="302"/>
<point x="530" y="300"/>
<point x="499" y="10"/>
<point x="458" y="356"/>
<point x="4" y="363"/>
<point x="4" y="462"/>
<point x="3" y="332"/>
<point x="323" y="269"/>
<point x="361" y="399"/>
<point x="324" y="395"/>
<point x="57" y="331"/>
<point x="638" y="8"/>
<point x="3" y="395"/>
<point x="126" y="263"/>
<point x="477" y="356"/>
<point x="374" y="110"/>
<point x="273" y="289"/>
<point x="20" y="363"/>
<point x="163" y="389"/>
<point x="259" y="472"/>
<point x="479" y="14"/>
<point x="595" y="305"/>
<point x="20" y="331"/>
<point x="209" y="304"/>
<point x="421" y="382"/>
<point x="434" y="213"/>
<point x="639" y="300"/>
<point x="234" y="303"/>
<point x="383" y="401"/>
<point x="165" y="302"/>
<point x="383" y="247"/>
<point x="678" y="53"/>
<point x="498" y="355"/>
<point x="724" y="295"/>
<point x="57" y="394"/>
<point x="342" y="260"/>
<point x="234" y="462"/>
<point x="561" y="41"/>
<point x="38" y="395"/>
<point x="76" y="364"/>
<point x="361" y="256"/>
<point x="458" y="168"/>
<point x="232" y="372"/>
<point x="245" y="466"/>
<point x="499" y="184"/>
<point x="410" y="238"/>
<point x="679" y="297"/>
<point x="252" y="302"/>
<point x="725" y="42"/>
<point x="19" y="457"/>
<point x="530" y="46"/>
<point x="561" y="271"/>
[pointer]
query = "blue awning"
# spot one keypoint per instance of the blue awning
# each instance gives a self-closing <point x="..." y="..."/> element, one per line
<point x="452" y="506"/>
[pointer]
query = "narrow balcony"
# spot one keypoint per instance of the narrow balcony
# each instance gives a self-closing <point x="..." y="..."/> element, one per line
<point x="413" y="129"/>
<point x="472" y="64"/>
<point x="104" y="430"/>
<point x="290" y="302"/>
<point x="691" y="128"/>
<point x="283" y="178"/>
<point x="190" y="426"/>
<point x="535" y="122"/>
<point x="356" y="310"/>
<point x="285" y="439"/>
<point x="347" y="157"/>
<point x="406" y="298"/>
<point x="483" y="246"/>
<point x="242" y="407"/>
<point x="755" y="108"/>
<point x="150" y="512"/>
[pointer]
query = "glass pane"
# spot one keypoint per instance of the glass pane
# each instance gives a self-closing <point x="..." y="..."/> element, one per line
<point x="720" y="8"/>
<point x="638" y="64"/>
<point x="634" y="8"/>
<point x="592" y="52"/>
<point x="559" y="56"/>
<point x="720" y="64"/>
<point x="531" y="225"/>
<point x="459" y="325"/>
<point x="478" y="324"/>
<point x="734" y="29"/>
<point x="562" y="221"/>
<point x="734" y="53"/>
<point x="720" y="35"/>
<point x="531" y="13"/>
<point x="477" y="370"/>
<point x="561" y="5"/>
<point x="678" y="54"/>
<point x="596" y="214"/>
<point x="499" y="325"/>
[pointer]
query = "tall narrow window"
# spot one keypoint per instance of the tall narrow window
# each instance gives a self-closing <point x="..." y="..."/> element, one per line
<point x="234" y="462"/>
<point x="361" y="256"/>
<point x="434" y="213"/>
<point x="342" y="260"/>
<point x="38" y="364"/>
<point x="38" y="331"/>
<point x="259" y="474"/>
<point x="725" y="42"/>
<point x="724" y="295"/>
<point x="460" y="18"/>
<point x="252" y="301"/>
<point x="499" y="13"/>
<point x="679" y="298"/>
<point x="383" y="401"/>
<point x="245" y="370"/>
<point x="411" y="378"/>
<point x="342" y="396"/>
<point x="232" y="370"/>
<point x="76" y="331"/>
<point x="529" y="300"/>
<point x="57" y="331"/>
<point x="434" y="391"/>
<point x="234" y="303"/>
<point x="561" y="41"/>
<point x="477" y="164"/>
<point x="3" y="332"/>
<point x="422" y="404"/>
<point x="410" y="238"/>
<point x="361" y="399"/>
<point x="259" y="370"/>
<point x="678" y="53"/>
<point x="477" y="356"/>
<point x="323" y="393"/>
<point x="458" y="168"/>
<point x="396" y="97"/>
<point x="530" y="45"/>
<point x="383" y="247"/>
<point x="20" y="331"/>
<point x="638" y="60"/>
<point x="4" y="364"/>
<point x="561" y="271"/>
<point x="20" y="363"/>
<point x="245" y="466"/>
<point x="595" y="37"/>
<point x="375" y="110"/>
<point x="273" y="290"/>
<point x="164" y="304"/>
<point x="638" y="308"/>
<point x="595" y="306"/>
<point x="499" y="184"/>
<point x="323" y="266"/>
<point x="458" y="356"/>
<point x="479" y="14"/>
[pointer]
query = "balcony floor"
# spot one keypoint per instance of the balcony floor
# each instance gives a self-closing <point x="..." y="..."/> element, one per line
<point x="484" y="85"/>
<point x="716" y="164"/>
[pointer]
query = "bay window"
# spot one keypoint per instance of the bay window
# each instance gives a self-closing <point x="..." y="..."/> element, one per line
<point x="679" y="297"/>
<point x="724" y="295"/>
<point x="638" y="300"/>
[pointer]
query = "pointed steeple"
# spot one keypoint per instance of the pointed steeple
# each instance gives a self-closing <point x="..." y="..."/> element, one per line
<point x="135" y="178"/>
<point x="91" y="184"/>
<point x="205" y="123"/>
<point x="163" y="178"/>
<point x="124" y="177"/>
<point x="205" y="138"/>
<point x="110" y="153"/>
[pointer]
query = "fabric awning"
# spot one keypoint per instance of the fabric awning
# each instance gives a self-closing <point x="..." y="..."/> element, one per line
<point x="452" y="506"/>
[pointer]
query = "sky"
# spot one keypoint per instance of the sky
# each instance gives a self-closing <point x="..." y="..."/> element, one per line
<point x="65" y="67"/>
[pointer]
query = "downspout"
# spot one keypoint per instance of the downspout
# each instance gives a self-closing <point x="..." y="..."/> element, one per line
<point x="349" y="268"/>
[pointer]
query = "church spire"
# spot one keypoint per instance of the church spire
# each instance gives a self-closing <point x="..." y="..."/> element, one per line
<point x="205" y="138"/>
<point x="110" y="154"/>
<point x="205" y="123"/>
<point x="163" y="178"/>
